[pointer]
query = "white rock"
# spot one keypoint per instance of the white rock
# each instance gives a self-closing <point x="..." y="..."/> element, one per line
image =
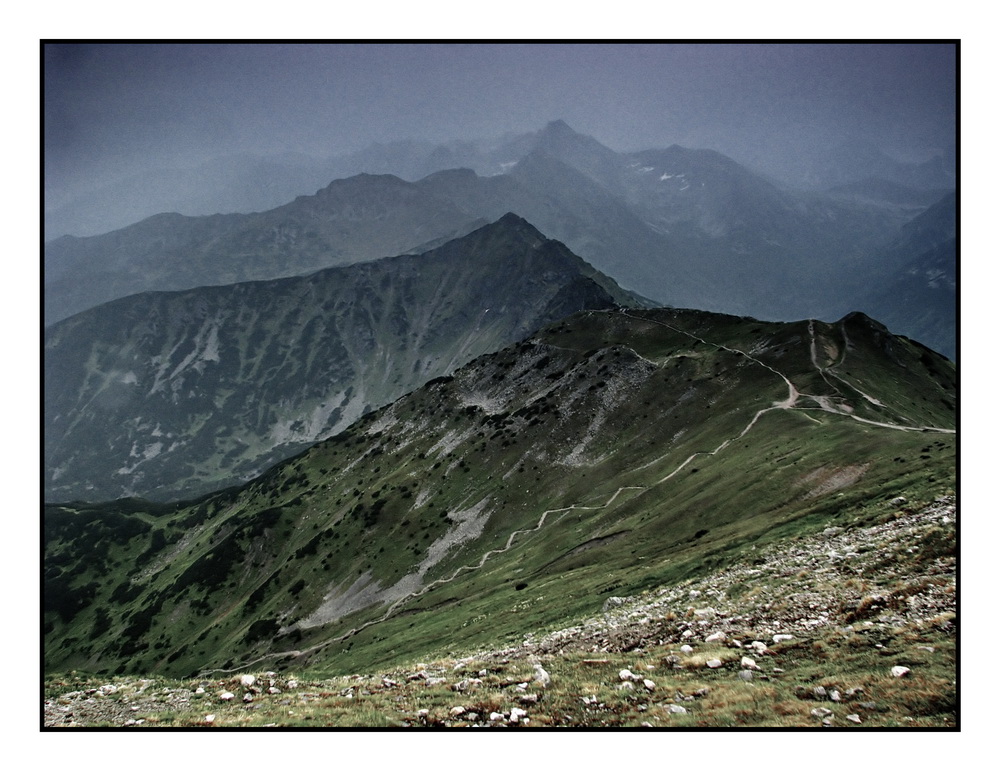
<point x="273" y="690"/>
<point x="854" y="717"/>
<point x="248" y="697"/>
<point x="247" y="681"/>
<point x="457" y="711"/>
<point x="209" y="718"/>
<point x="292" y="684"/>
<point x="676" y="709"/>
<point x="541" y="676"/>
<point x="748" y="663"/>
<point x="687" y="649"/>
<point x="834" y="695"/>
<point x="899" y="671"/>
<point x="687" y="634"/>
<point x="227" y="696"/>
<point x="648" y="684"/>
<point x="200" y="690"/>
<point x="714" y="663"/>
<point x="496" y="716"/>
<point x="719" y="636"/>
<point x="516" y="714"/>
<point x="746" y="675"/>
<point x="782" y="637"/>
<point x="759" y="646"/>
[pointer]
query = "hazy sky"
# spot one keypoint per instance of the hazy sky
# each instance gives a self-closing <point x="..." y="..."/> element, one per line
<point x="111" y="109"/>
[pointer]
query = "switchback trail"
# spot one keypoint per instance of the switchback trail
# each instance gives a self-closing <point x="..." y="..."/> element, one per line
<point x="791" y="402"/>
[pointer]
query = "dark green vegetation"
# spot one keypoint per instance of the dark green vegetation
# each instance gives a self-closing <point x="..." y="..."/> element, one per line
<point x="613" y="453"/>
<point x="166" y="395"/>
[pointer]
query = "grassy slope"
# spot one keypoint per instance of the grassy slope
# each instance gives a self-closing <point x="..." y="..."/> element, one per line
<point x="625" y="429"/>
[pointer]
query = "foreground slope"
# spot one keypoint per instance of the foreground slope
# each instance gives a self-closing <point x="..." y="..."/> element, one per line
<point x="174" y="394"/>
<point x="613" y="452"/>
<point x="850" y="627"/>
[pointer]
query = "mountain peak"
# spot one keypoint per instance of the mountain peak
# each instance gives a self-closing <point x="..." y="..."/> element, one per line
<point x="558" y="125"/>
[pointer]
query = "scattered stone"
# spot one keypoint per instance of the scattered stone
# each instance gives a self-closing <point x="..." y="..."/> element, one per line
<point x="898" y="501"/>
<point x="820" y="712"/>
<point x="210" y="718"/>
<point x="457" y="711"/>
<point x="748" y="663"/>
<point x="854" y="717"/>
<point x="247" y="681"/>
<point x="293" y="684"/>
<point x="528" y="699"/>
<point x="782" y="637"/>
<point x="746" y="675"/>
<point x="687" y="634"/>
<point x="542" y="678"/>
<point x="494" y="717"/>
<point x="673" y="708"/>
<point x="720" y="636"/>
<point x="899" y="671"/>
<point x="227" y="696"/>
<point x="834" y="695"/>
<point x="628" y="675"/>
<point x="273" y="690"/>
<point x="650" y="685"/>
<point x="759" y="646"/>
<point x="613" y="602"/>
<point x="516" y="714"/>
<point x="248" y="697"/>
<point x="200" y="690"/>
<point x="929" y="649"/>
<point x="819" y="693"/>
<point x="714" y="663"/>
<point x="687" y="649"/>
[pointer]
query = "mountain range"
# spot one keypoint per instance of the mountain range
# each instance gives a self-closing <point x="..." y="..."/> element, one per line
<point x="541" y="384"/>
<point x="687" y="228"/>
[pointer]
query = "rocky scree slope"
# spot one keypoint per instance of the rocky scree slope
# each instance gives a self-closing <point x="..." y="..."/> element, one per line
<point x="853" y="626"/>
<point x="167" y="395"/>
<point x="613" y="452"/>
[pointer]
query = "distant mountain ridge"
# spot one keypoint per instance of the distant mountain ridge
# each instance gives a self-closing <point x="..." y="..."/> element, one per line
<point x="166" y="395"/>
<point x="687" y="228"/>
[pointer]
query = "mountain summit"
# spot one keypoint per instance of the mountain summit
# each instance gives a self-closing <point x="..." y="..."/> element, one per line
<point x="164" y="395"/>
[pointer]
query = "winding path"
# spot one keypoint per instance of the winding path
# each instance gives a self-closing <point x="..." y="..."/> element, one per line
<point x="791" y="402"/>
